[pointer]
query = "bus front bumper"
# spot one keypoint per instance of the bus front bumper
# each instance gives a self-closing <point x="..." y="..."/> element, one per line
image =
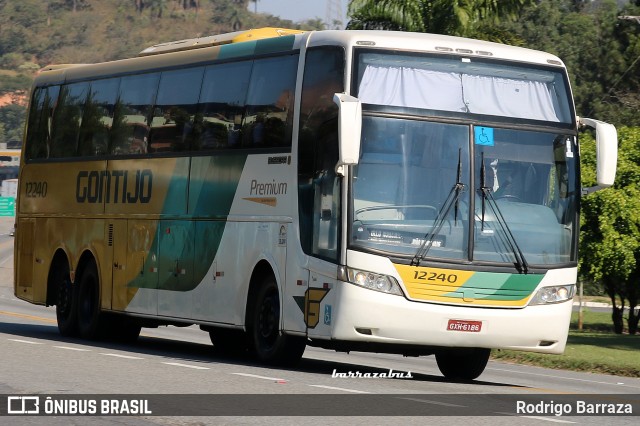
<point x="362" y="315"/>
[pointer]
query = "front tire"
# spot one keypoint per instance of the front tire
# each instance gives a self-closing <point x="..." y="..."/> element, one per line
<point x="462" y="363"/>
<point x="267" y="342"/>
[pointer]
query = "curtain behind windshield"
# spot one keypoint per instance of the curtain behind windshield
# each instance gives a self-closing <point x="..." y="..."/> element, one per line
<point x="459" y="85"/>
<point x="419" y="88"/>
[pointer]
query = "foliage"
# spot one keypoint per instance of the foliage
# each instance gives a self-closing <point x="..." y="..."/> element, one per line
<point x="12" y="118"/>
<point x="44" y="32"/>
<point x="467" y="18"/>
<point x="600" y="51"/>
<point x="610" y="231"/>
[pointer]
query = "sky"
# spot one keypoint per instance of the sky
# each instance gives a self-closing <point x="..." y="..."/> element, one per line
<point x="297" y="10"/>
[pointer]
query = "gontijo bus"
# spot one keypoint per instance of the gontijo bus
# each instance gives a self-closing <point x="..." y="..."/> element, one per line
<point x="353" y="190"/>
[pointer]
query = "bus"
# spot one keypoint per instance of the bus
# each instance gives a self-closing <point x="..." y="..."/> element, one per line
<point x="372" y="191"/>
<point x="9" y="157"/>
<point x="9" y="163"/>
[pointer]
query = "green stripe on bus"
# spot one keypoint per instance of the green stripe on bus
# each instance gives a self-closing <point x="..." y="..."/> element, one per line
<point x="493" y="286"/>
<point x="489" y="280"/>
<point x="275" y="44"/>
<point x="212" y="187"/>
<point x="257" y="47"/>
<point x="236" y="50"/>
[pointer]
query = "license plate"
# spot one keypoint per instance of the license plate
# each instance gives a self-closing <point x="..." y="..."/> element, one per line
<point x="463" y="325"/>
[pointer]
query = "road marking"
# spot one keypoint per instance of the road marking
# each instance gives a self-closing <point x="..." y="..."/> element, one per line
<point x="555" y="376"/>
<point x="6" y="260"/>
<point x="548" y="419"/>
<point x="426" y="401"/>
<point x="177" y="364"/>
<point x="340" y="389"/>
<point x="73" y="349"/>
<point x="26" y="341"/>
<point x="121" y="356"/>
<point x="273" y="379"/>
<point x="25" y="316"/>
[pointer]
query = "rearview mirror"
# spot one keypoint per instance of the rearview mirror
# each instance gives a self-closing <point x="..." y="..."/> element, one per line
<point x="349" y="130"/>
<point x="606" y="153"/>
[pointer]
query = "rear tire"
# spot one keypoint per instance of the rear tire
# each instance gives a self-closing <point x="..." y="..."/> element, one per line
<point x="89" y="315"/>
<point x="462" y="363"/>
<point x="66" y="300"/>
<point x="268" y="344"/>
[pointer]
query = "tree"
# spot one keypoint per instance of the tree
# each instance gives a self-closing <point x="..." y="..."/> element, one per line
<point x="601" y="52"/>
<point x="466" y="18"/>
<point x="610" y="229"/>
<point x="12" y="118"/>
<point x="229" y="15"/>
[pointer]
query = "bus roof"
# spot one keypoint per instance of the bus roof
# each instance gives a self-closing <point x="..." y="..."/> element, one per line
<point x="270" y="40"/>
<point x="218" y="40"/>
<point x="433" y="43"/>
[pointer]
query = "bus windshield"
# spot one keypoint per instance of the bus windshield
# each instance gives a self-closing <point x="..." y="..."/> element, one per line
<point x="486" y="185"/>
<point x="464" y="191"/>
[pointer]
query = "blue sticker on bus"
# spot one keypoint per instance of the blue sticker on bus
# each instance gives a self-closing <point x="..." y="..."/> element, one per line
<point x="327" y="315"/>
<point x="483" y="136"/>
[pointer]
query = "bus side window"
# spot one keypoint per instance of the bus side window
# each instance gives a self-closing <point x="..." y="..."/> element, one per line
<point x="318" y="185"/>
<point x="132" y="113"/>
<point x="39" y="126"/>
<point x="175" y="108"/>
<point x="267" y="122"/>
<point x="98" y="118"/>
<point x="67" y="119"/>
<point x="222" y="100"/>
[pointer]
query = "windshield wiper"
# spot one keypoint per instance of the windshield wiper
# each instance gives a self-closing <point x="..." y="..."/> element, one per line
<point x="451" y="201"/>
<point x="487" y="197"/>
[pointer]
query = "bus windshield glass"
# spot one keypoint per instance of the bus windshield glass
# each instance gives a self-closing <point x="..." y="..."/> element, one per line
<point x="464" y="192"/>
<point x="460" y="161"/>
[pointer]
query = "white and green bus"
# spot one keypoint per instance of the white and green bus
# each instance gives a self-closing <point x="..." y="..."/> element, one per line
<point x="352" y="190"/>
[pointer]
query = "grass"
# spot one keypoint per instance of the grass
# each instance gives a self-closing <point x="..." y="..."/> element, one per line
<point x="595" y="348"/>
<point x="599" y="299"/>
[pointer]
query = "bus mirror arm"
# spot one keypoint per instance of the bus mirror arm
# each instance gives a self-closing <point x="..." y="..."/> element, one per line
<point x="349" y="130"/>
<point x="606" y="153"/>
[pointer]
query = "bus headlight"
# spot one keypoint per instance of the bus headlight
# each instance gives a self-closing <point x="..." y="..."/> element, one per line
<point x="553" y="294"/>
<point x="373" y="281"/>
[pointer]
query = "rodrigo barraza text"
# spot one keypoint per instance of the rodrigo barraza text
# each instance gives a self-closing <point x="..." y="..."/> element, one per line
<point x="575" y="407"/>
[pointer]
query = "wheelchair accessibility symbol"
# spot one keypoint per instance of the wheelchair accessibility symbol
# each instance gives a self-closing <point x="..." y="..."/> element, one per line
<point x="483" y="136"/>
<point x="327" y="315"/>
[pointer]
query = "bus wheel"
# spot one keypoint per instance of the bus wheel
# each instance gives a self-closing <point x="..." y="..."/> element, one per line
<point x="462" y="363"/>
<point x="89" y="302"/>
<point x="267" y="342"/>
<point x="66" y="301"/>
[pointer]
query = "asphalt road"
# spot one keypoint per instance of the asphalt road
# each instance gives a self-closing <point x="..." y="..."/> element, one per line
<point x="36" y="360"/>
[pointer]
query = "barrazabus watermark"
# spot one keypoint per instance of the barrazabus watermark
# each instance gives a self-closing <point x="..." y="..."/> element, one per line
<point x="372" y="375"/>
